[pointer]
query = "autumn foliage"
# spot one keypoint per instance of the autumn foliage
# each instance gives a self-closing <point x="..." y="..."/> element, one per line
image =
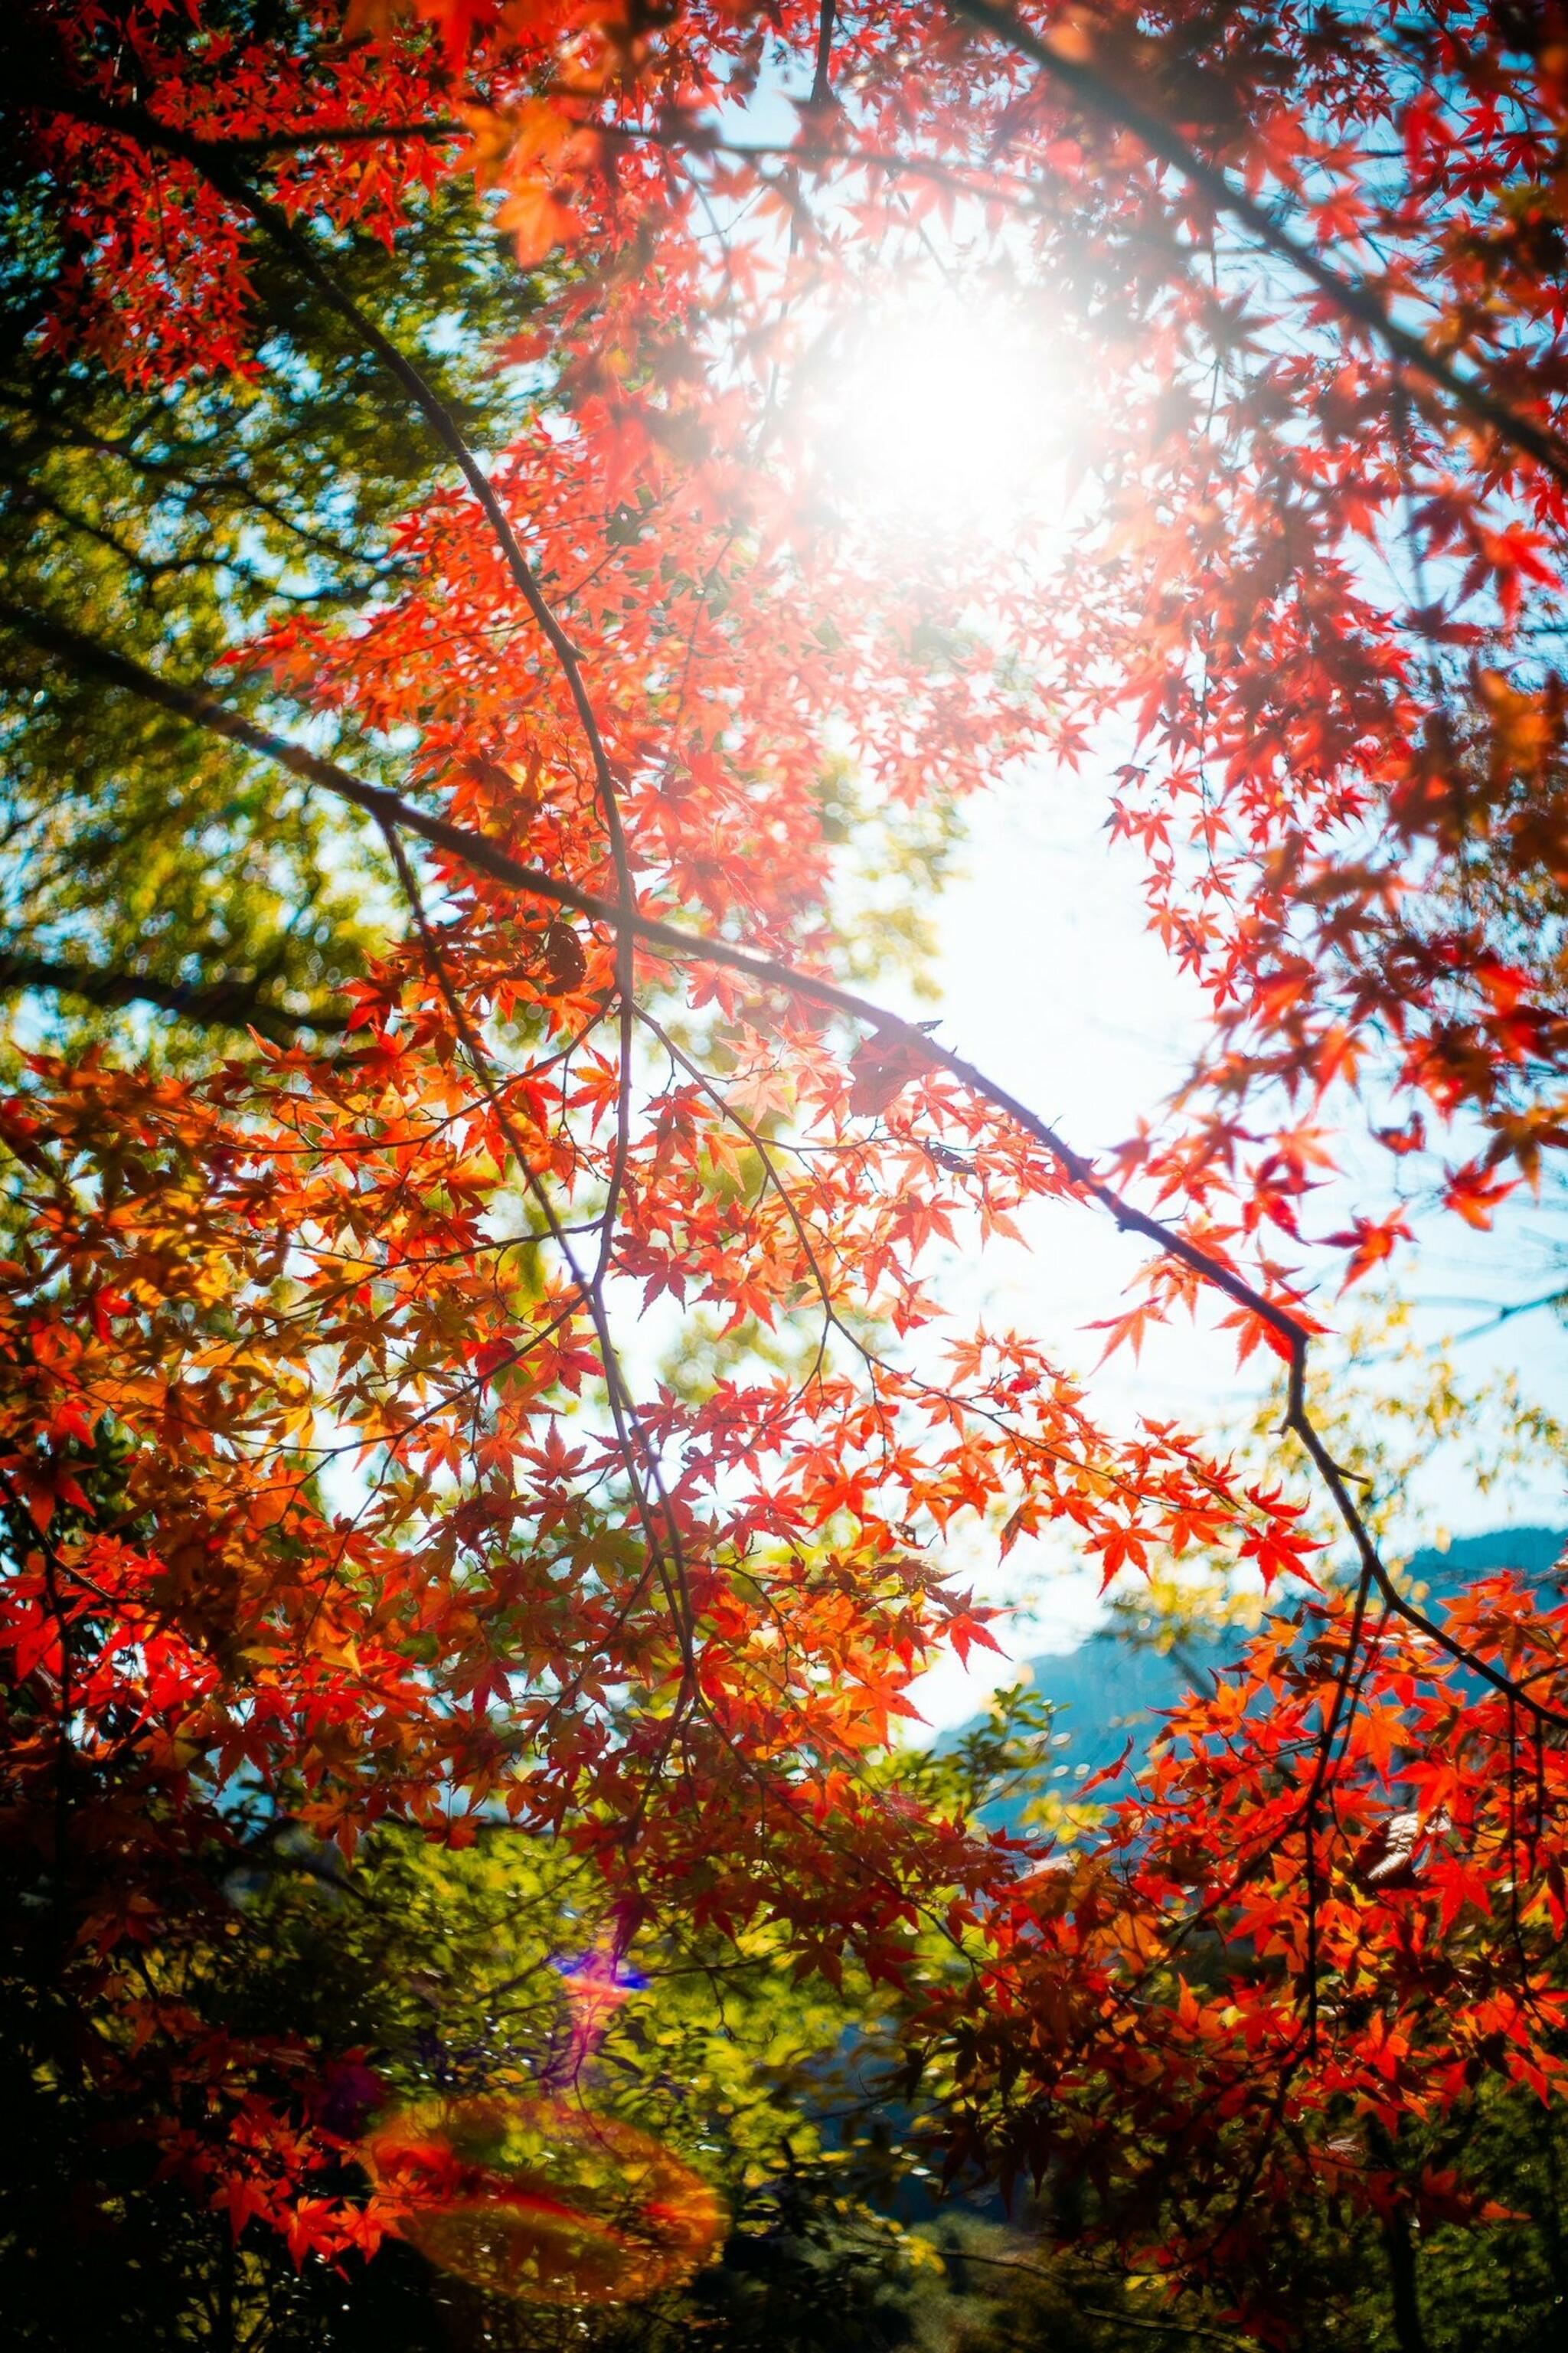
<point x="340" y="1477"/>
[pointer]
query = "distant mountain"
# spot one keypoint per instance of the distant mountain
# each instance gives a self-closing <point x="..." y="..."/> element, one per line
<point x="1113" y="1687"/>
<point x="1534" y="1552"/>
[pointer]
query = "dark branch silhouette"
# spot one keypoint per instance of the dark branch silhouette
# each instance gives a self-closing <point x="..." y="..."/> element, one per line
<point x="220" y="1004"/>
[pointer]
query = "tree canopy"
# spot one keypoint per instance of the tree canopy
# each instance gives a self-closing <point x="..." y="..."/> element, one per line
<point x="479" y="1347"/>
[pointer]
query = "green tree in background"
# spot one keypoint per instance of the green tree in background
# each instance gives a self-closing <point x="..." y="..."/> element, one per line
<point x="144" y="862"/>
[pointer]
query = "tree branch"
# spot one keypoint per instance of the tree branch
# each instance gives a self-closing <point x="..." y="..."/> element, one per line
<point x="1099" y="97"/>
<point x="482" y="855"/>
<point x="221" y="1004"/>
<point x="822" y="81"/>
<point x="434" y="130"/>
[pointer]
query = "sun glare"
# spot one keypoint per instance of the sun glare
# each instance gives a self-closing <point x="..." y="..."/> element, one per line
<point x="944" y="417"/>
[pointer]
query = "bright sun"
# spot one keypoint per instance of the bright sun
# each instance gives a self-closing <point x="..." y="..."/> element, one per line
<point x="944" y="417"/>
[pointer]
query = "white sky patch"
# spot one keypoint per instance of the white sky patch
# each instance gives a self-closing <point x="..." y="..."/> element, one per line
<point x="947" y="417"/>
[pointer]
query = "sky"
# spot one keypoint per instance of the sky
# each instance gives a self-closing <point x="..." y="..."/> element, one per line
<point x="1049" y="979"/>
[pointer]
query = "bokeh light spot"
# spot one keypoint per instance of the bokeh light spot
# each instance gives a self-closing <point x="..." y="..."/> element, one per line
<point x="541" y="2201"/>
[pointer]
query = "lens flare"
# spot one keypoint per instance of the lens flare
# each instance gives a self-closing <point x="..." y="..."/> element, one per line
<point x="541" y="2201"/>
<point x="597" y="1985"/>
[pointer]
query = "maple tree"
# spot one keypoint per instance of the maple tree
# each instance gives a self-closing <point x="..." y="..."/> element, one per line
<point x="333" y="1469"/>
